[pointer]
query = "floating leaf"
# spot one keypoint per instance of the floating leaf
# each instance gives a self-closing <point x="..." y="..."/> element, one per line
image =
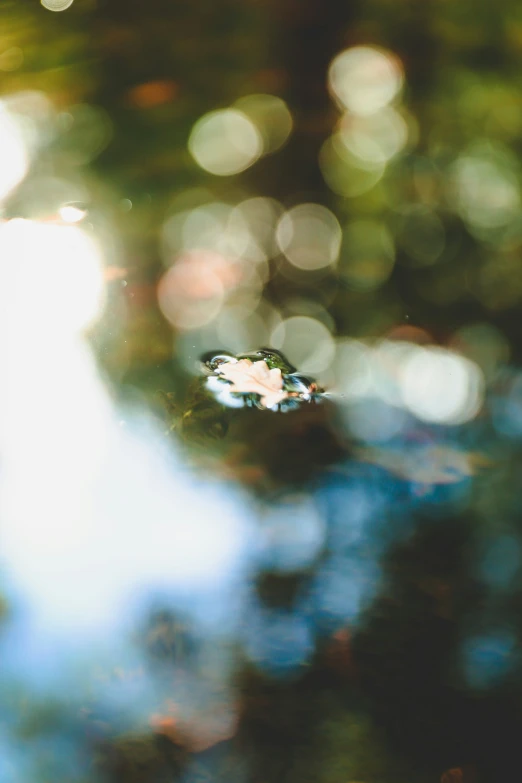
<point x="255" y="378"/>
<point x="263" y="379"/>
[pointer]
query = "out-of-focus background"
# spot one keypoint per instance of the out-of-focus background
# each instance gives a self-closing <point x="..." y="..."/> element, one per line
<point x="199" y="593"/>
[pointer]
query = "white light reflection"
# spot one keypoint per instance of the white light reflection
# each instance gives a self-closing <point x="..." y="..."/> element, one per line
<point x="14" y="159"/>
<point x="96" y="510"/>
<point x="353" y="370"/>
<point x="371" y="370"/>
<point x="225" y="142"/>
<point x="293" y="534"/>
<point x="44" y="197"/>
<point x="486" y="188"/>
<point x="433" y="384"/>
<point x="202" y="228"/>
<point x="237" y="328"/>
<point x="365" y="79"/>
<point x="57" y="5"/>
<point x="310" y="236"/>
<point x="53" y="413"/>
<point x="56" y="273"/>
<point x="260" y="215"/>
<point x="192" y="292"/>
<point x="301" y="306"/>
<point x="307" y="343"/>
<point x="373" y="140"/>
<point x="72" y="214"/>
<point x="439" y="386"/>
<point x="242" y="232"/>
<point x="373" y="420"/>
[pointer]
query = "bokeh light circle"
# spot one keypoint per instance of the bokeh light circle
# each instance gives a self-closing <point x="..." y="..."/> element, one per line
<point x="306" y="341"/>
<point x="192" y="292"/>
<point x="486" y="189"/>
<point x="374" y="139"/>
<point x="225" y="142"/>
<point x="364" y="79"/>
<point x="440" y="386"/>
<point x="86" y="130"/>
<point x="57" y="5"/>
<point x="310" y="236"/>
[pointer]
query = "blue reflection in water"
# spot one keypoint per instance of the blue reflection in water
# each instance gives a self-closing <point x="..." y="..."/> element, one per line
<point x="217" y="765"/>
<point x="500" y="561"/>
<point x="506" y="404"/>
<point x="57" y="757"/>
<point x="437" y="500"/>
<point x="489" y="658"/>
<point x="372" y="420"/>
<point x="351" y="508"/>
<point x="292" y="532"/>
<point x="363" y="503"/>
<point x="342" y="588"/>
<point x="14" y="766"/>
<point x="55" y="753"/>
<point x="278" y="641"/>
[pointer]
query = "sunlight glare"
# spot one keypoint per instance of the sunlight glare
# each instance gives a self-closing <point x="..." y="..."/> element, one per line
<point x="14" y="160"/>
